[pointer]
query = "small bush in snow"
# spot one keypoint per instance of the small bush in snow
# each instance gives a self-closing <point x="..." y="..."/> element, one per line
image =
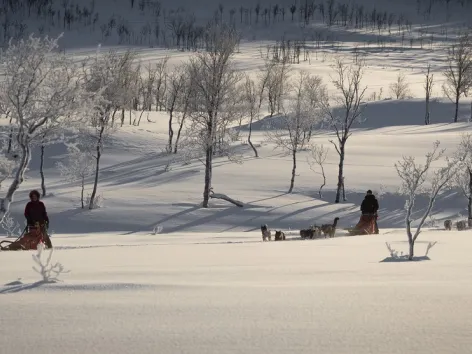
<point x="48" y="271"/>
<point x="10" y="225"/>
<point x="157" y="229"/>
<point x="97" y="203"/>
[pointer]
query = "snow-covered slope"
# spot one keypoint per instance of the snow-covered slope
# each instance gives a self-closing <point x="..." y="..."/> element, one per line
<point x="230" y="293"/>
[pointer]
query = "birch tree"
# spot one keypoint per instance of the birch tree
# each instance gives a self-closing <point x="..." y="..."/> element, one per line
<point x="347" y="111"/>
<point x="105" y="75"/>
<point x="317" y="157"/>
<point x="79" y="167"/>
<point x="400" y="88"/>
<point x="291" y="135"/>
<point x="459" y="67"/>
<point x="42" y="90"/>
<point x="463" y="177"/>
<point x="254" y="92"/>
<point x="176" y="86"/>
<point x="418" y="178"/>
<point x="214" y="80"/>
<point x="428" y="87"/>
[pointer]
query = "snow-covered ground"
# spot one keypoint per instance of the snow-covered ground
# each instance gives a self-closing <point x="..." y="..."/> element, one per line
<point x="231" y="293"/>
<point x="205" y="283"/>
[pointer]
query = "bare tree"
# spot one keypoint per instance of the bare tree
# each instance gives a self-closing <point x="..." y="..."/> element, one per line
<point x="341" y="119"/>
<point x="254" y="97"/>
<point x="400" y="88"/>
<point x="317" y="157"/>
<point x="176" y="85"/>
<point x="459" y="66"/>
<point x="105" y="75"/>
<point x="428" y="87"/>
<point x="276" y="82"/>
<point x="463" y="177"/>
<point x="79" y="167"/>
<point x="417" y="178"/>
<point x="160" y="83"/>
<point x="42" y="90"/>
<point x="186" y="105"/>
<point x="214" y="80"/>
<point x="291" y="135"/>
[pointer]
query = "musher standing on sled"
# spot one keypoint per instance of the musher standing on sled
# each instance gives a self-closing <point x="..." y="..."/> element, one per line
<point x="35" y="212"/>
<point x="369" y="207"/>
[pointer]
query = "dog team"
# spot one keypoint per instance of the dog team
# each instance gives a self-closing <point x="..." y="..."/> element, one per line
<point x="328" y="230"/>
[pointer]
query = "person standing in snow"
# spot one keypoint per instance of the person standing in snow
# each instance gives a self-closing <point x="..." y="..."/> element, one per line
<point x="35" y="212"/>
<point x="369" y="207"/>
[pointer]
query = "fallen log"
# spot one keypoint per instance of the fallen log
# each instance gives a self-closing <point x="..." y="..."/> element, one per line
<point x="225" y="197"/>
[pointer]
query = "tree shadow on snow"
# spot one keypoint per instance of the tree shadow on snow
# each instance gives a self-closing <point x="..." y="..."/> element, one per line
<point x="403" y="259"/>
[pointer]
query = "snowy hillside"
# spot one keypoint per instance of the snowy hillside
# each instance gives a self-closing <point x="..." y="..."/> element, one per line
<point x="145" y="267"/>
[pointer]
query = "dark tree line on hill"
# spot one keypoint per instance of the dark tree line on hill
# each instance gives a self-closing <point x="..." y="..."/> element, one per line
<point x="178" y="28"/>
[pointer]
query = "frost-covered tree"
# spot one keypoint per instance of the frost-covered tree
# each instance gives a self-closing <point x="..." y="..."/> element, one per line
<point x="254" y="95"/>
<point x="214" y="80"/>
<point x="463" y="177"/>
<point x="276" y="88"/>
<point x="418" y="178"/>
<point x="42" y="90"/>
<point x="428" y="87"/>
<point x="80" y="165"/>
<point x="317" y="157"/>
<point x="106" y="76"/>
<point x="291" y="134"/>
<point x="176" y="87"/>
<point x="400" y="88"/>
<point x="458" y="71"/>
<point x="347" y="111"/>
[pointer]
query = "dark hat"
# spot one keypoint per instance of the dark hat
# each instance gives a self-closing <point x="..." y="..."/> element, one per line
<point x="34" y="192"/>
<point x="369" y="192"/>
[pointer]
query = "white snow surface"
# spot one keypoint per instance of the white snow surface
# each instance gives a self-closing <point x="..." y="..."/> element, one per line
<point x="206" y="283"/>
<point x="232" y="293"/>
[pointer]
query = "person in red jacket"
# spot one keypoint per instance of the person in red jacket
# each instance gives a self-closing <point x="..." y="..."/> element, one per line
<point x="35" y="212"/>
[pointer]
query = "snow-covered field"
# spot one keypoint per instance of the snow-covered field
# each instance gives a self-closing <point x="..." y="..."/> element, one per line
<point x="231" y="293"/>
<point x="153" y="272"/>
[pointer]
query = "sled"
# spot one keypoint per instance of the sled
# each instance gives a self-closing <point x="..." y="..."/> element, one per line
<point x="27" y="240"/>
<point x="365" y="226"/>
<point x="353" y="231"/>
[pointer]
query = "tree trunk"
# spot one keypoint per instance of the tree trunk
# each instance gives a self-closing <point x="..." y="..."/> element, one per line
<point x="208" y="175"/>
<point x="10" y="136"/>
<point x="426" y="118"/>
<point x="340" y="172"/>
<point x="176" y="145"/>
<point x="470" y="112"/>
<point x="97" y="168"/>
<point x="294" y="168"/>
<point x="469" y="205"/>
<point x="171" y="131"/>
<point x="140" y="116"/>
<point x="17" y="180"/>
<point x="82" y="192"/>
<point x="456" y="114"/>
<point x="412" y="249"/>
<point x="122" y="117"/>
<point x="249" y="139"/>
<point x="41" y="172"/>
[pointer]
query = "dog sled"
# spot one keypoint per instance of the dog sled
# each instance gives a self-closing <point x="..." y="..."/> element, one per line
<point x="30" y="238"/>
<point x="367" y="225"/>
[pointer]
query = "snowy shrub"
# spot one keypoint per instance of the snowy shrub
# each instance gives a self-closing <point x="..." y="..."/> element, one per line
<point x="433" y="222"/>
<point x="10" y="226"/>
<point x="80" y="165"/>
<point x="97" y="203"/>
<point x="157" y="229"/>
<point x="48" y="271"/>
